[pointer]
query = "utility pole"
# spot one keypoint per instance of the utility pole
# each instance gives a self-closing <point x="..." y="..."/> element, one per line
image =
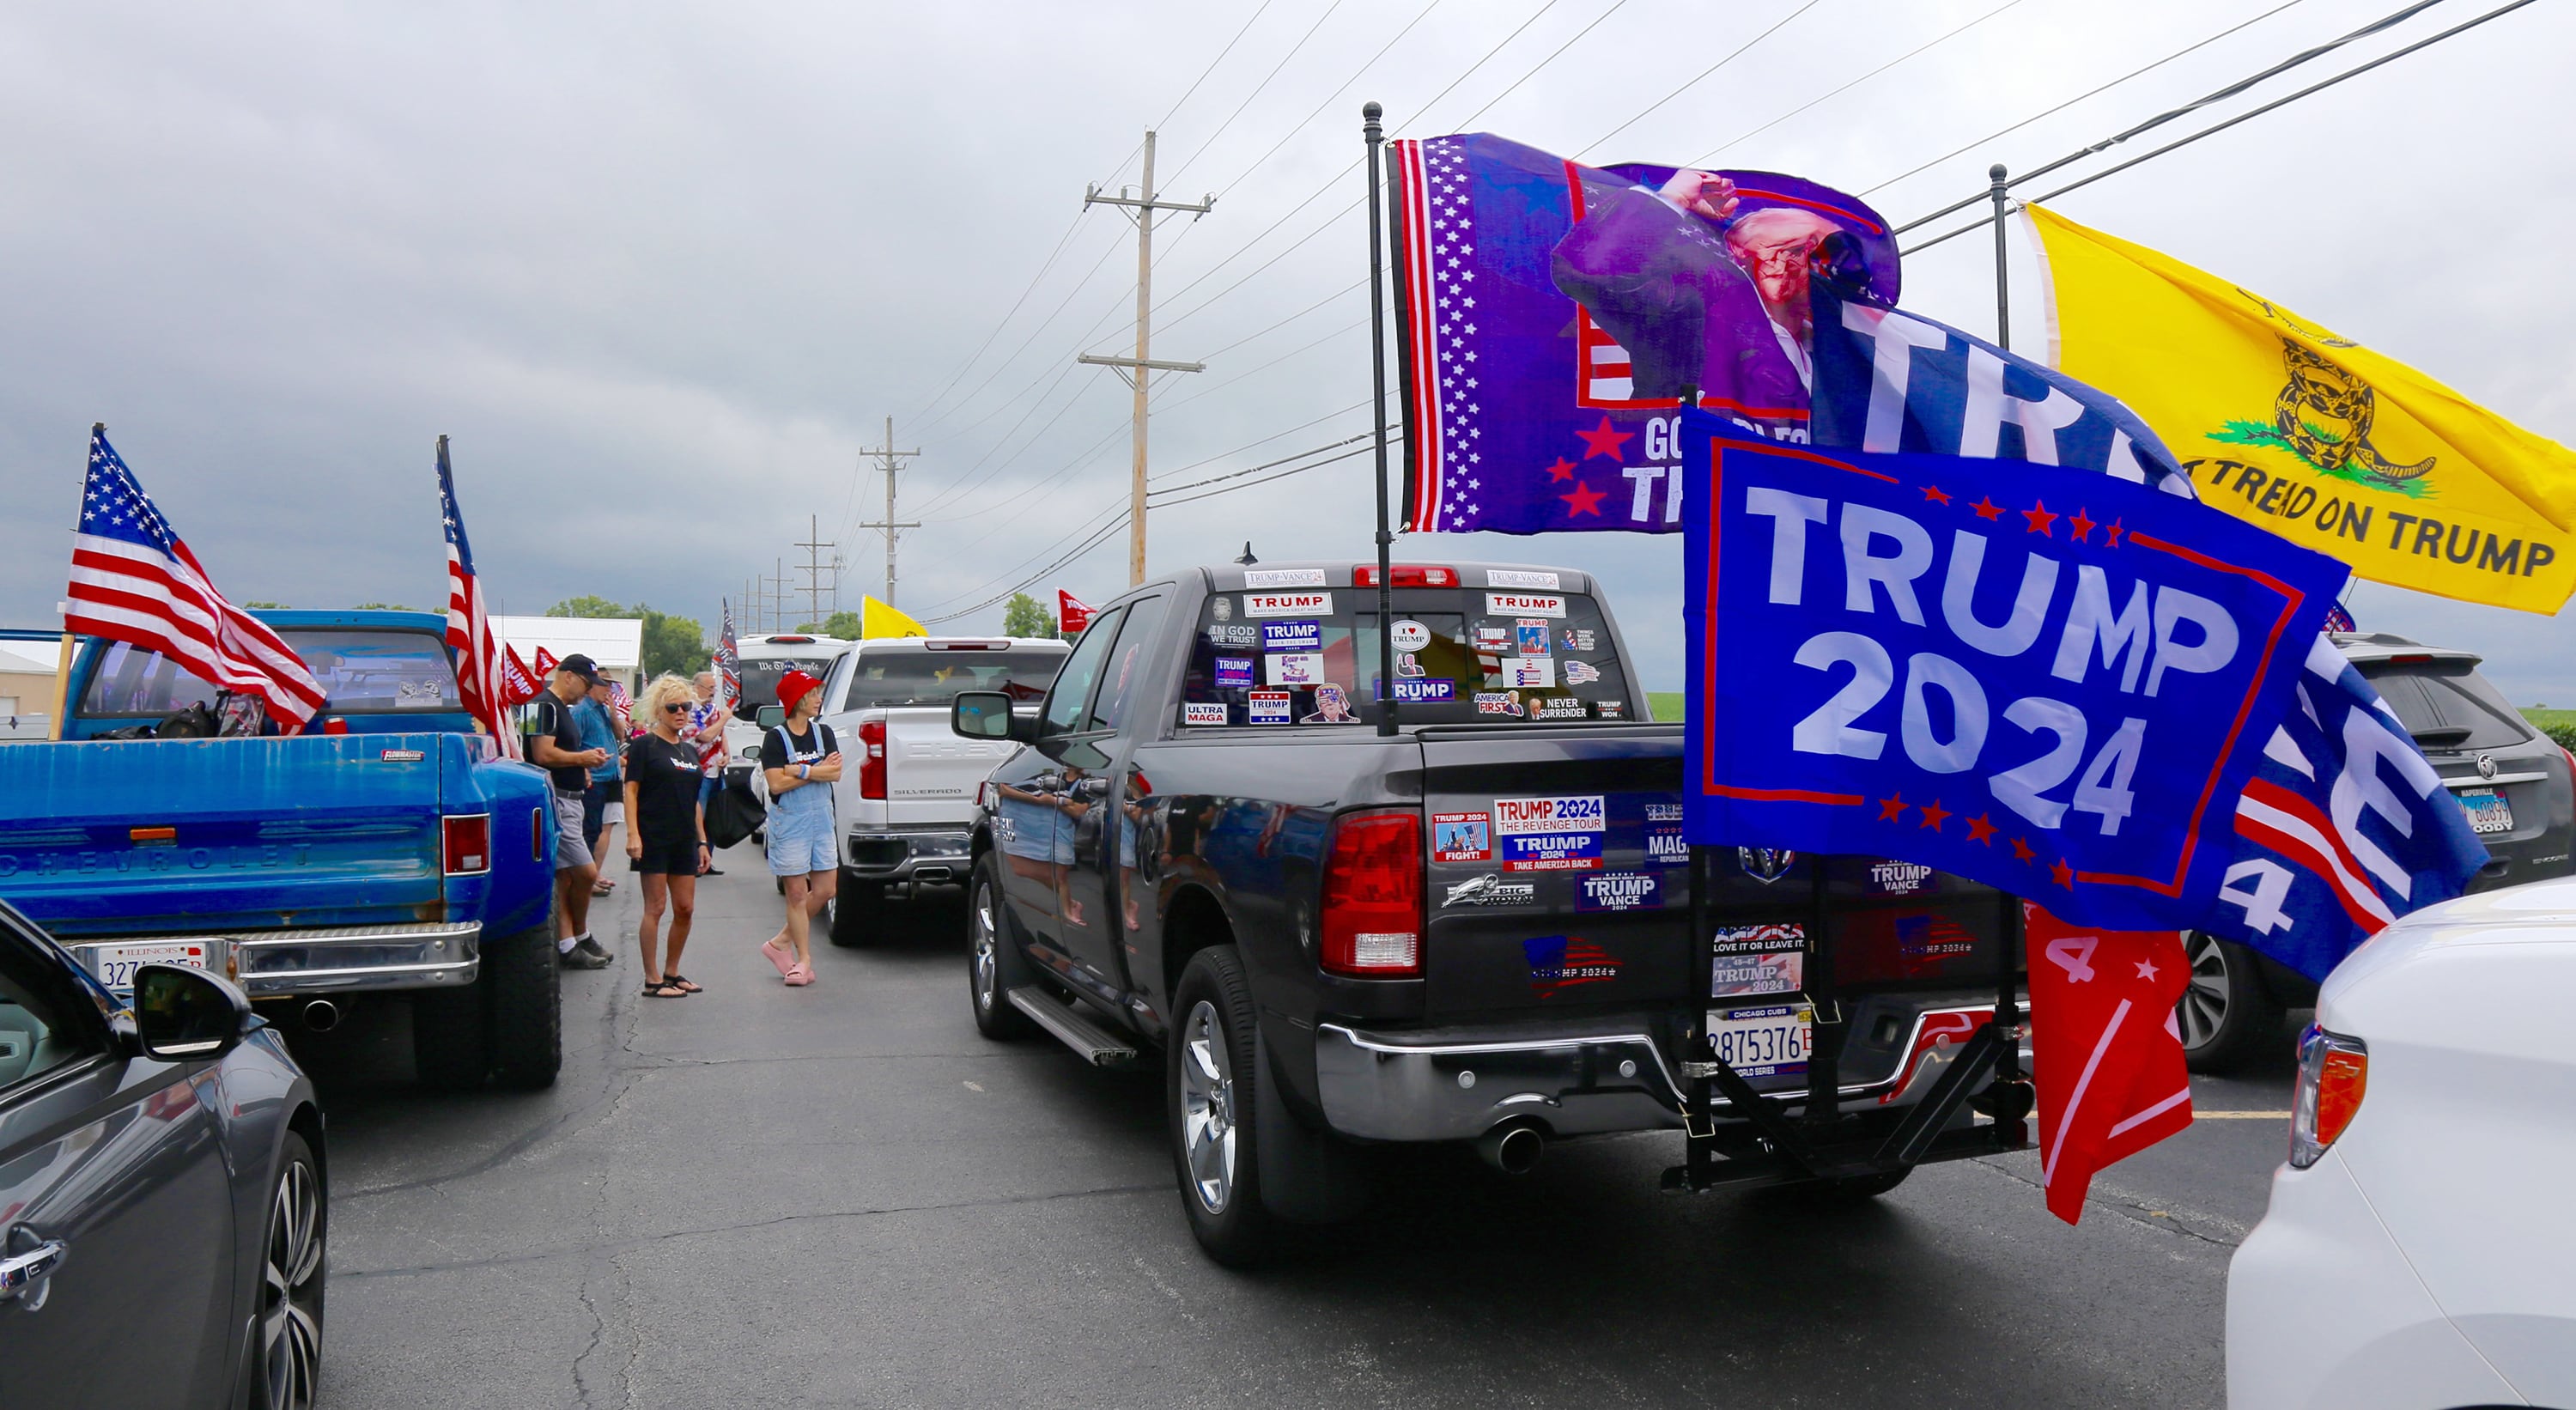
<point x="1139" y="370"/>
<point x="887" y="459"/>
<point x="778" y="581"/>
<point x="813" y="545"/>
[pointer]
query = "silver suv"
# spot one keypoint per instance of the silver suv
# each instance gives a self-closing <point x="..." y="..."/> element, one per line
<point x="2519" y="788"/>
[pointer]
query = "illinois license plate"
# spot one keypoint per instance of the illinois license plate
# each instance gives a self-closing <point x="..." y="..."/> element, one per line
<point x="115" y="964"/>
<point x="2488" y="812"/>
<point x="1769" y="1041"/>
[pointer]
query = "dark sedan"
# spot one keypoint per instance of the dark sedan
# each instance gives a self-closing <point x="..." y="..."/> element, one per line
<point x="163" y="1209"/>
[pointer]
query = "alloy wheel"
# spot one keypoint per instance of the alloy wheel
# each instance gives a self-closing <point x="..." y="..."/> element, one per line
<point x="1207" y="1108"/>
<point x="2203" y="1007"/>
<point x="290" y="1323"/>
<point x="987" y="962"/>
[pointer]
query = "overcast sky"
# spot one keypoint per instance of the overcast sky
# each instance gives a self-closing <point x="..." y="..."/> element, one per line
<point x="662" y="271"/>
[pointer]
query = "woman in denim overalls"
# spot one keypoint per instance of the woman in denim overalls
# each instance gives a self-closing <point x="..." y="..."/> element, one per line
<point x="802" y="762"/>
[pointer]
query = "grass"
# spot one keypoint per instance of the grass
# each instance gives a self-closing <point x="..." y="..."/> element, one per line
<point x="1667" y="705"/>
<point x="2540" y="715"/>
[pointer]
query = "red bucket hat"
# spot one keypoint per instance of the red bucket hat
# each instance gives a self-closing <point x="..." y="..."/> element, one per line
<point x="794" y="687"/>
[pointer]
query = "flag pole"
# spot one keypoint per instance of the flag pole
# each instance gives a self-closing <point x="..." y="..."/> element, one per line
<point x="2003" y="286"/>
<point x="70" y="644"/>
<point x="1375" y="137"/>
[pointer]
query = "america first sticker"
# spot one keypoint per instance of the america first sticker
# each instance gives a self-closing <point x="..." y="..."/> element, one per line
<point x="1551" y="834"/>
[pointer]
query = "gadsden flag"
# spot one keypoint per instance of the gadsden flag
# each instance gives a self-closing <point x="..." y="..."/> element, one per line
<point x="2311" y="435"/>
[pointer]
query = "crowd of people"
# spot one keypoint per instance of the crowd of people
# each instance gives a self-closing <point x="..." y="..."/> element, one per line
<point x="652" y="772"/>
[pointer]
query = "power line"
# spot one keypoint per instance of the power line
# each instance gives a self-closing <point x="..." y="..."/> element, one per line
<point x="1178" y="103"/>
<point x="1543" y="63"/>
<point x="1268" y="465"/>
<point x="1944" y="38"/>
<point x="2245" y="116"/>
<point x="1308" y="121"/>
<point x="962" y="368"/>
<point x="1700" y="78"/>
<point x="2078" y="98"/>
<point x="1284" y="474"/>
<point x="2220" y="95"/>
<point x="1210" y="140"/>
<point x="1265" y="440"/>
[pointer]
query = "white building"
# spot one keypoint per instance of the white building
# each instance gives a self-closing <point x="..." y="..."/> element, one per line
<point x="614" y="644"/>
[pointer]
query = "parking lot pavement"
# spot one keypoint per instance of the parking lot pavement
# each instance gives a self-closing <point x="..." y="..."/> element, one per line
<point x="841" y="1195"/>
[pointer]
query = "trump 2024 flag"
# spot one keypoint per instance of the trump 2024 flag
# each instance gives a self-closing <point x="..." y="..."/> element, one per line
<point x="2106" y="1058"/>
<point x="2055" y="685"/>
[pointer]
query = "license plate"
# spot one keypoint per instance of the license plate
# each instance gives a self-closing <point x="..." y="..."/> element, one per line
<point x="115" y="964"/>
<point x="2488" y="812"/>
<point x="1770" y="1041"/>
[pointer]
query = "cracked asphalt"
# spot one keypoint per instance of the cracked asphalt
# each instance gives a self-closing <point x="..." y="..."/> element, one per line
<point x="841" y="1196"/>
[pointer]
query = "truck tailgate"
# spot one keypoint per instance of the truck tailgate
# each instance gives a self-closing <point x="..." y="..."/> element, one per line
<point x="1557" y="873"/>
<point x="136" y="835"/>
<point x="931" y="773"/>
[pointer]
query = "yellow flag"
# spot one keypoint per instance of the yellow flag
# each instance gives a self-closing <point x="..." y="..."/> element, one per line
<point x="878" y="619"/>
<point x="2313" y="436"/>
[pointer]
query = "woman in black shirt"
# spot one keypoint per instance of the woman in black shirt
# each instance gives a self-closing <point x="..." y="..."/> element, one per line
<point x="666" y="829"/>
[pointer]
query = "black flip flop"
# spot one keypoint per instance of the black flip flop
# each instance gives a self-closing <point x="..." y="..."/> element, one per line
<point x="685" y="986"/>
<point x="664" y="989"/>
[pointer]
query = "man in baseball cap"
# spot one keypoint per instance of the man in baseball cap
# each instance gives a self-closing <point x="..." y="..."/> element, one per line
<point x="554" y="744"/>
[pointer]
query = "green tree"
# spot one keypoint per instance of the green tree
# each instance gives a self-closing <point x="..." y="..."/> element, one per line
<point x="258" y="606"/>
<point x="1026" y="616"/>
<point x="843" y="624"/>
<point x="674" y="644"/>
<point x="383" y="607"/>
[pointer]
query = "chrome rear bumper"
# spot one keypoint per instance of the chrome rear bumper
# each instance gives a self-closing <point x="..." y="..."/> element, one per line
<point x="329" y="960"/>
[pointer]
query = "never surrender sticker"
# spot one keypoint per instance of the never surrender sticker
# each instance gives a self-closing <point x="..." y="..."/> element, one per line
<point x="1517" y="604"/>
<point x="1620" y="891"/>
<point x="1287" y="604"/>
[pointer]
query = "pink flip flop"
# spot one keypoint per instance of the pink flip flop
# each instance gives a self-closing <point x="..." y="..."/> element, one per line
<point x="780" y="956"/>
<point x="799" y="975"/>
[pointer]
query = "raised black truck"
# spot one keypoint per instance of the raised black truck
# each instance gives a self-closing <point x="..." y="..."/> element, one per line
<point x="1480" y="927"/>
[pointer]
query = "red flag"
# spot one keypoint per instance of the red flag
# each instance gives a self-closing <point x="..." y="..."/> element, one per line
<point x="545" y="665"/>
<point x="518" y="683"/>
<point x="1071" y="616"/>
<point x="2107" y="1056"/>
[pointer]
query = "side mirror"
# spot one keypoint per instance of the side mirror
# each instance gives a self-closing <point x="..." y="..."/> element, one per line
<point x="186" y="1015"/>
<point x="982" y="714"/>
<point x="771" y="716"/>
<point x="750" y="753"/>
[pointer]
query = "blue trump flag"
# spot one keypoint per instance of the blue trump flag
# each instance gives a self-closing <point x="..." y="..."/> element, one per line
<point x="2054" y="686"/>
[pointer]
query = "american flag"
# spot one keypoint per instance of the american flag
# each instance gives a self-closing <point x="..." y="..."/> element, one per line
<point x="621" y="708"/>
<point x="482" y="675"/>
<point x="134" y="580"/>
<point x="728" y="661"/>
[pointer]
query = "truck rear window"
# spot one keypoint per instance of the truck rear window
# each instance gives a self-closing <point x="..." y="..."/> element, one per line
<point x="1543" y="658"/>
<point x="900" y="678"/>
<point x="362" y="673"/>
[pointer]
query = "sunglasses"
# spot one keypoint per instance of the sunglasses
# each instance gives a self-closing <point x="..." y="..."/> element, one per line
<point x="680" y="709"/>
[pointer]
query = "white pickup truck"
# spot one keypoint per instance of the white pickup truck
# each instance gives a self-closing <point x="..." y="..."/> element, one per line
<point x="905" y="805"/>
<point x="761" y="661"/>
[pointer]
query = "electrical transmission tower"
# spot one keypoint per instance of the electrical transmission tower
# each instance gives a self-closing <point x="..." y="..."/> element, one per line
<point x="1139" y="370"/>
<point x="887" y="459"/>
<point x="813" y="545"/>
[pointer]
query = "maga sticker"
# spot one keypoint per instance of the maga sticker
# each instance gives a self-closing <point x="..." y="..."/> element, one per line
<point x="1196" y="712"/>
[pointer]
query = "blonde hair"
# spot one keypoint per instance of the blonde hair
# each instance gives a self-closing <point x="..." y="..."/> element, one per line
<point x="662" y="690"/>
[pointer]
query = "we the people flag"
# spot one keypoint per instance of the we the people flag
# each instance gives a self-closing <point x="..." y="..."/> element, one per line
<point x="1556" y="316"/>
<point x="2053" y="684"/>
<point x="728" y="661"/>
<point x="133" y="580"/>
<point x="2316" y="438"/>
<point x="2106" y="1058"/>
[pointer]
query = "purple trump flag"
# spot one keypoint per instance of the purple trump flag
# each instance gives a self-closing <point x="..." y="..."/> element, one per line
<point x="1557" y="317"/>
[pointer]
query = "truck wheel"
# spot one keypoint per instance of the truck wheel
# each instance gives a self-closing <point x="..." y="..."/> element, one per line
<point x="2226" y="1015"/>
<point x="523" y="988"/>
<point x="856" y="912"/>
<point x="448" y="1046"/>
<point x="994" y="962"/>
<point x="1210" y="1079"/>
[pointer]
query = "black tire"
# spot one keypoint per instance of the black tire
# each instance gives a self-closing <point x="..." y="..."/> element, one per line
<point x="450" y="1048"/>
<point x="855" y="916"/>
<point x="1211" y="1079"/>
<point x="284" y="1350"/>
<point x="523" y="995"/>
<point x="2226" y="1014"/>
<point x="995" y="963"/>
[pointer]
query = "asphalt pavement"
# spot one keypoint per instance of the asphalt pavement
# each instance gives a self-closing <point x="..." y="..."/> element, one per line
<point x="842" y="1196"/>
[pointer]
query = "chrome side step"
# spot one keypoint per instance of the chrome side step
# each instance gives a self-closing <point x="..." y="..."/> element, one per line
<point x="1097" y="1045"/>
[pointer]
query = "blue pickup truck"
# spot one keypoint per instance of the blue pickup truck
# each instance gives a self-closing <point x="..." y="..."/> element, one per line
<point x="388" y="851"/>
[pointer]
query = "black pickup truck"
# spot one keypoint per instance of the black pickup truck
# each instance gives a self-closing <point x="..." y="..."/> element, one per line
<point x="1477" y="928"/>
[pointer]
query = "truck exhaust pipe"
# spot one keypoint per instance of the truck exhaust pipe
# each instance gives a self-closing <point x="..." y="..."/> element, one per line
<point x="321" y="1016"/>
<point x="1514" y="1149"/>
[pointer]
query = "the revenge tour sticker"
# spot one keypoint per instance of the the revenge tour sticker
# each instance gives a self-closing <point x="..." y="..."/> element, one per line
<point x="1551" y="834"/>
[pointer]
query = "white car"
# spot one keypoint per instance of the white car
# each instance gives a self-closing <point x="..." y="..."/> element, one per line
<point x="761" y="661"/>
<point x="2420" y="1247"/>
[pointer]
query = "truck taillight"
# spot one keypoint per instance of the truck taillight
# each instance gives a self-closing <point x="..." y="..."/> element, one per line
<point x="872" y="759"/>
<point x="2333" y="1071"/>
<point x="1406" y="575"/>
<point x="1372" y="911"/>
<point x="465" y="844"/>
